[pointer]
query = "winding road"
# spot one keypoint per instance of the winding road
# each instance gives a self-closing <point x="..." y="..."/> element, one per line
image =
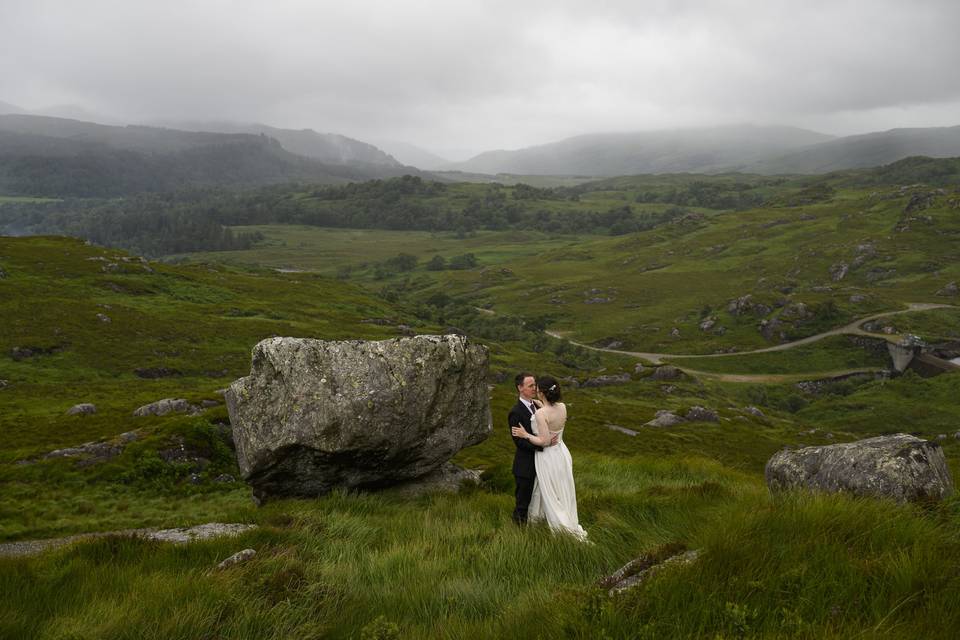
<point x="849" y="329"/>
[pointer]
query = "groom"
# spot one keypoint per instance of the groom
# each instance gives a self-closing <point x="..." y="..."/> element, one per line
<point x="524" y="469"/>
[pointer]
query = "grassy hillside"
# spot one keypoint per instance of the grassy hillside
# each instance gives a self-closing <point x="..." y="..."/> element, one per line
<point x="386" y="565"/>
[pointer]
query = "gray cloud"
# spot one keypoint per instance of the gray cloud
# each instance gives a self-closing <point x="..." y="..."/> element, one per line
<point x="480" y="75"/>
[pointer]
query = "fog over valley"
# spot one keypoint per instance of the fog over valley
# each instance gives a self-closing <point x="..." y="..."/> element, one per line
<point x="456" y="79"/>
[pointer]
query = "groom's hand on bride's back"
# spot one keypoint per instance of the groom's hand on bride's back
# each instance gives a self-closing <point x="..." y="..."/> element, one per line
<point x="554" y="439"/>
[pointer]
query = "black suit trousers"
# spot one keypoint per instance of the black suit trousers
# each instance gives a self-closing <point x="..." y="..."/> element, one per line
<point x="523" y="494"/>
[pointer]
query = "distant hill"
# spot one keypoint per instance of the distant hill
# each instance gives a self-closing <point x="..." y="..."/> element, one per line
<point x="704" y="150"/>
<point x="326" y="147"/>
<point x="56" y="156"/>
<point x="6" y="107"/>
<point x="411" y="154"/>
<point x="868" y="150"/>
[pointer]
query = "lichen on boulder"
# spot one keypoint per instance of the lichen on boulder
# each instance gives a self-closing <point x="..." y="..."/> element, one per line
<point x="900" y="467"/>
<point x="316" y="415"/>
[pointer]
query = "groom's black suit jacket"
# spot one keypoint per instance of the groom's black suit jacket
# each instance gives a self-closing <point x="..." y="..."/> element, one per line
<point x="523" y="464"/>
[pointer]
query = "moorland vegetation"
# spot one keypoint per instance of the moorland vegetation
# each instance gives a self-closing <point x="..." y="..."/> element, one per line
<point x="86" y="323"/>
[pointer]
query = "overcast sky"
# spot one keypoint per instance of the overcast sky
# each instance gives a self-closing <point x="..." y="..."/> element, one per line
<point x="461" y="77"/>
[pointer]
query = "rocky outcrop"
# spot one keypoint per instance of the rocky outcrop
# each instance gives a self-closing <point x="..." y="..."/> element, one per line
<point x="166" y="407"/>
<point x="950" y="290"/>
<point x="641" y="569"/>
<point x="701" y="414"/>
<point x="900" y="467"/>
<point x="664" y="418"/>
<point x="608" y="380"/>
<point x="82" y="409"/>
<point x="315" y="415"/>
<point x="839" y="271"/>
<point x="666" y="372"/>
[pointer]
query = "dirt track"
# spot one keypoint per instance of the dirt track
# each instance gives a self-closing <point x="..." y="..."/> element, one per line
<point x="852" y="328"/>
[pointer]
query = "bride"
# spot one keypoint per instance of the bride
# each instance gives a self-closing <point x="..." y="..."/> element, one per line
<point x="554" y="495"/>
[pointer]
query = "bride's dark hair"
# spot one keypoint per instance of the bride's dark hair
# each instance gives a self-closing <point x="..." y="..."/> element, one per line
<point x="550" y="388"/>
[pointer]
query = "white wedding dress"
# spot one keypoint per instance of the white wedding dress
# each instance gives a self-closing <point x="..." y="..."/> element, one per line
<point x="554" y="494"/>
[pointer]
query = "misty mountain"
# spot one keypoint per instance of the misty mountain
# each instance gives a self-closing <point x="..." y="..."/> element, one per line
<point x="6" y="107"/>
<point x="326" y="147"/>
<point x="702" y="150"/>
<point x="56" y="156"/>
<point x="868" y="150"/>
<point x="413" y="155"/>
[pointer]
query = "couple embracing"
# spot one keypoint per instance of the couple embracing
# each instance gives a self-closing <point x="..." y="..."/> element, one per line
<point x="542" y="466"/>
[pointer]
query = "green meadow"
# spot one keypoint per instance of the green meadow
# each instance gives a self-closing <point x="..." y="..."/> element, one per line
<point x="84" y="323"/>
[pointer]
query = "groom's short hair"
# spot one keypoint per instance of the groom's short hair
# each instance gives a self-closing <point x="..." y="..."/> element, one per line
<point x="523" y="375"/>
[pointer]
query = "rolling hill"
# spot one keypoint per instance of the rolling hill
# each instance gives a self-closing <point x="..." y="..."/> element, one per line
<point x="705" y="150"/>
<point x="750" y="149"/>
<point x="42" y="156"/>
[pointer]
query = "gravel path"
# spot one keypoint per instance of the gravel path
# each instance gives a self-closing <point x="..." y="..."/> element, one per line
<point x="849" y="329"/>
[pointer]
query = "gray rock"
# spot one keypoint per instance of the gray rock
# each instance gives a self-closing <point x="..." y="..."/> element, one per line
<point x="900" y="467"/>
<point x="950" y="290"/>
<point x="237" y="558"/>
<point x="90" y="453"/>
<point x="856" y="298"/>
<point x="82" y="409"/>
<point x="741" y="305"/>
<point x="641" y="569"/>
<point x="616" y="427"/>
<point x="103" y="318"/>
<point x="839" y="271"/>
<point x="754" y="411"/>
<point x="316" y="415"/>
<point x="449" y="478"/>
<point x="165" y="407"/>
<point x="224" y="478"/>
<point x="666" y="372"/>
<point x="608" y="380"/>
<point x="638" y="368"/>
<point x="701" y="414"/>
<point x="4" y="384"/>
<point x="207" y="531"/>
<point x="209" y="404"/>
<point x="664" y="418"/>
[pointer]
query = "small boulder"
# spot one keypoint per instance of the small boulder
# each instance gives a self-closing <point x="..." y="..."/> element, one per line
<point x="82" y="409"/>
<point x="701" y="414"/>
<point x="754" y="411"/>
<point x="165" y="407"/>
<point x="665" y="418"/>
<point x="950" y="290"/>
<point x="666" y="372"/>
<point x="608" y="380"/>
<point x="237" y="558"/>
<point x="900" y="467"/>
<point x="839" y="271"/>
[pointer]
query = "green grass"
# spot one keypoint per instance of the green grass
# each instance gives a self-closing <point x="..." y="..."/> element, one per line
<point x="345" y="565"/>
<point x="454" y="566"/>
<point x="836" y="353"/>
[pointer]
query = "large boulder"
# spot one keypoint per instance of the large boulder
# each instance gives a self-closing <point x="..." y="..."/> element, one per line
<point x="315" y="415"/>
<point x="901" y="467"/>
